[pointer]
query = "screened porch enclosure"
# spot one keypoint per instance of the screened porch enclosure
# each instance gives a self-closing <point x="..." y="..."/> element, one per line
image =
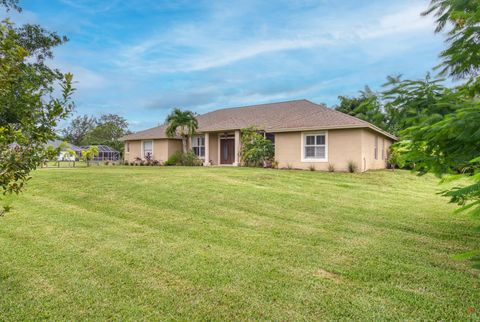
<point x="105" y="153"/>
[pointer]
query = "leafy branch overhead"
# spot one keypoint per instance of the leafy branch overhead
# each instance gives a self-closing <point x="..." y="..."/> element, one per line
<point x="439" y="125"/>
<point x="460" y="60"/>
<point x="29" y="108"/>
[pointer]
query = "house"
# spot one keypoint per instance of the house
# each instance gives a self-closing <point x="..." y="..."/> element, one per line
<point x="62" y="155"/>
<point x="305" y="134"/>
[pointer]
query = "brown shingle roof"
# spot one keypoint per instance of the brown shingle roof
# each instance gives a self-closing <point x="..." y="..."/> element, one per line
<point x="273" y="117"/>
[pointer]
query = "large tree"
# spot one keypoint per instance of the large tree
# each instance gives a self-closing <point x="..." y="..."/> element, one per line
<point x="412" y="102"/>
<point x="462" y="18"/>
<point x="78" y="129"/>
<point x="449" y="146"/>
<point x="10" y="4"/>
<point x="366" y="106"/>
<point x="108" y="131"/>
<point x="183" y="124"/>
<point x="29" y="108"/>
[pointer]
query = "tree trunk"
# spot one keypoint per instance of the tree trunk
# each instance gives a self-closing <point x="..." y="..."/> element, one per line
<point x="184" y="144"/>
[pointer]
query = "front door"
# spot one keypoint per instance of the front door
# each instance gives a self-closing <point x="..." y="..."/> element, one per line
<point x="227" y="151"/>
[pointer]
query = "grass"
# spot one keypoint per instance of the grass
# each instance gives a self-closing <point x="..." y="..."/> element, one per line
<point x="143" y="243"/>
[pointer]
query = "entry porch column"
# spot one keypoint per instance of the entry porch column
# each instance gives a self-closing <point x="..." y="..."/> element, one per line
<point x="206" y="162"/>
<point x="237" y="148"/>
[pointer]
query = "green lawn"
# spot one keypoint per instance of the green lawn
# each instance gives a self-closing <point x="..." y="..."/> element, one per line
<point x="130" y="243"/>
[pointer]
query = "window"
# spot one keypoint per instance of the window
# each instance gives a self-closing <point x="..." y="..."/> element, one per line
<point x="147" y="149"/>
<point x="198" y="146"/>
<point x="270" y="137"/>
<point x="314" y="147"/>
<point x="376" y="148"/>
<point x="128" y="146"/>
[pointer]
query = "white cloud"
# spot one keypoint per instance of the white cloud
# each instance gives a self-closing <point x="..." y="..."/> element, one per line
<point x="19" y="18"/>
<point x="84" y="78"/>
<point x="91" y="7"/>
<point x="195" y="47"/>
<point x="407" y="20"/>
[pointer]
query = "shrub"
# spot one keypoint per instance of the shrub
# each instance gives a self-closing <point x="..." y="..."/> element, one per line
<point x="148" y="157"/>
<point x="126" y="162"/>
<point x="155" y="163"/>
<point x="275" y="164"/>
<point x="352" y="167"/>
<point x="331" y="168"/>
<point x="174" y="159"/>
<point x="311" y="167"/>
<point x="89" y="154"/>
<point x="256" y="149"/>
<point x="183" y="159"/>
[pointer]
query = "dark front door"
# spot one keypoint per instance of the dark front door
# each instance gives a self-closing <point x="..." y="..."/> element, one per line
<point x="227" y="151"/>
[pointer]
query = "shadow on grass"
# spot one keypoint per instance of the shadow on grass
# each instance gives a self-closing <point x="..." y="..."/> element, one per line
<point x="472" y="256"/>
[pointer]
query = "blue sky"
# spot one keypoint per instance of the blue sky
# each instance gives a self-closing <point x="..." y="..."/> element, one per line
<point x="139" y="59"/>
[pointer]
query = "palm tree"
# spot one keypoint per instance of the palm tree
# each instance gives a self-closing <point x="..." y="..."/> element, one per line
<point x="182" y="123"/>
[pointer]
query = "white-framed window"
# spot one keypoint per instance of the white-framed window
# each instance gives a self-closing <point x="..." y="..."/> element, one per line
<point x="375" y="149"/>
<point x="314" y="147"/>
<point x="147" y="149"/>
<point x="198" y="146"/>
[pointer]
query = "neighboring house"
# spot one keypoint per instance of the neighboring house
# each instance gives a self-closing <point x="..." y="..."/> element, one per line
<point x="62" y="156"/>
<point x="304" y="134"/>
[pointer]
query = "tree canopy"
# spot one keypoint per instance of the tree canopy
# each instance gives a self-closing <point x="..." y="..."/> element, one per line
<point x="181" y="123"/>
<point x="29" y="108"/>
<point x="11" y="4"/>
<point x="78" y="128"/>
<point x="256" y="149"/>
<point x="402" y="103"/>
<point x="367" y="106"/>
<point x="439" y="126"/>
<point x="108" y="130"/>
<point x="460" y="59"/>
<point x="105" y="130"/>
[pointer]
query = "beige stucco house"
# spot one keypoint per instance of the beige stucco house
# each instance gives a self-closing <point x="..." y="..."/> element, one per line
<point x="305" y="134"/>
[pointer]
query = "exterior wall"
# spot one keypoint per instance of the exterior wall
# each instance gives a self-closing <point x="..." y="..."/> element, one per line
<point x="343" y="146"/>
<point x="173" y="146"/>
<point x="368" y="150"/>
<point x="162" y="149"/>
<point x="63" y="156"/>
<point x="213" y="147"/>
<point x="135" y="150"/>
